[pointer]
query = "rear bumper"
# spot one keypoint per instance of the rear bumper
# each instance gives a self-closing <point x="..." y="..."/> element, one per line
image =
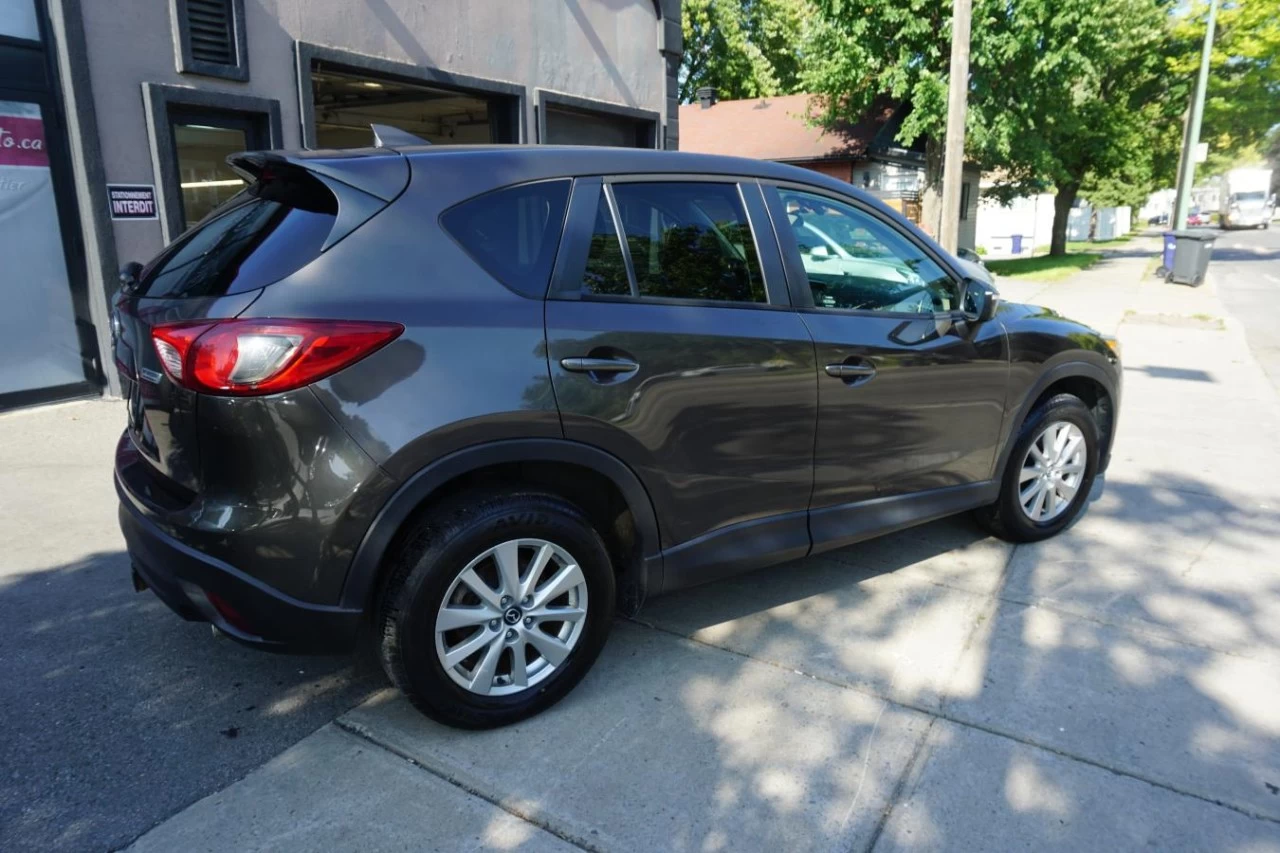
<point x="247" y="610"/>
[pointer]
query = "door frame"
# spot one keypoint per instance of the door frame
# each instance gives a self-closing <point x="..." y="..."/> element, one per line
<point x="161" y="102"/>
<point x="32" y="77"/>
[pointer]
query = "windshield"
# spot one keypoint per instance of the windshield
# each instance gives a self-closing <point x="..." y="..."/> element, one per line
<point x="1258" y="195"/>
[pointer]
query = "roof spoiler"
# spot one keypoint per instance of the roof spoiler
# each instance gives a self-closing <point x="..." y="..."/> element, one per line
<point x="386" y="136"/>
<point x="362" y="182"/>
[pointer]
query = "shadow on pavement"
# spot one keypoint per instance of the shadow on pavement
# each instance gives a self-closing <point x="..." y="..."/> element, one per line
<point x="1108" y="689"/>
<point x="118" y="713"/>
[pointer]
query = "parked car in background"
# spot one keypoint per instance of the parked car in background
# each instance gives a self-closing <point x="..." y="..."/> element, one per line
<point x="468" y="402"/>
<point x="1196" y="217"/>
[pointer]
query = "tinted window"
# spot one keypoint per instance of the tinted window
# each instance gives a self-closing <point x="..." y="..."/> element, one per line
<point x="260" y="236"/>
<point x="854" y="260"/>
<point x="513" y="233"/>
<point x="690" y="241"/>
<point x="606" y="270"/>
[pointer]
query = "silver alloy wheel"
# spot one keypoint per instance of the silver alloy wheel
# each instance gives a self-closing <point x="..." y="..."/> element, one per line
<point x="1052" y="471"/>
<point x="511" y="617"/>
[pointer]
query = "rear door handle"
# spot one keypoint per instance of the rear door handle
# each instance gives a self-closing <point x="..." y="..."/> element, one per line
<point x="598" y="365"/>
<point x="851" y="371"/>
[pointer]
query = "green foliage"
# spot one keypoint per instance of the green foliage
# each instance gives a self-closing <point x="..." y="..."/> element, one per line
<point x="1069" y="94"/>
<point x="1045" y="267"/>
<point x="1243" y="98"/>
<point x="743" y="48"/>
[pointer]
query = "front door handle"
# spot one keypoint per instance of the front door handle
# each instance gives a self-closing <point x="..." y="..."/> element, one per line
<point x="851" y="371"/>
<point x="598" y="365"/>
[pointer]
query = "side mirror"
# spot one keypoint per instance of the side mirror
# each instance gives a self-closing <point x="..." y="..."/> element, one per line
<point x="819" y="252"/>
<point x="979" y="301"/>
<point x="129" y="276"/>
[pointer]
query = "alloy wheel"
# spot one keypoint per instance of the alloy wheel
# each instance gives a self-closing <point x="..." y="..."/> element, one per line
<point x="511" y="617"/>
<point x="1052" y="471"/>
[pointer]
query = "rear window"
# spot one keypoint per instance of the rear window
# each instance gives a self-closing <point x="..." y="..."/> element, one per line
<point x="513" y="233"/>
<point x="271" y="229"/>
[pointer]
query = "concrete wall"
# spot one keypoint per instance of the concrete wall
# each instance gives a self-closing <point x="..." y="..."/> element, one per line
<point x="606" y="50"/>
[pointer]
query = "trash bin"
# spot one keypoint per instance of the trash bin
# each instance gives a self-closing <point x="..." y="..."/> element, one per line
<point x="1016" y="240"/>
<point x="1166" y="256"/>
<point x="1191" y="257"/>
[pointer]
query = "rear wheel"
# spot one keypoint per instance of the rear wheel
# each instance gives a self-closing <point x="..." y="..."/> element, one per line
<point x="497" y="606"/>
<point x="1049" y="474"/>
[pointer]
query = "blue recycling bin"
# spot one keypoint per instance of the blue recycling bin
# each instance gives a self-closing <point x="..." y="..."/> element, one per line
<point x="1166" y="257"/>
<point x="1016" y="240"/>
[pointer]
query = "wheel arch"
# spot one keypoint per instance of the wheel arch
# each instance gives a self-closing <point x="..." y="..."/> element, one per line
<point x="595" y="480"/>
<point x="1091" y="383"/>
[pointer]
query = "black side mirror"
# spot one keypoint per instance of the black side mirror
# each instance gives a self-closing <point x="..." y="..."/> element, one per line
<point x="129" y="276"/>
<point x="979" y="301"/>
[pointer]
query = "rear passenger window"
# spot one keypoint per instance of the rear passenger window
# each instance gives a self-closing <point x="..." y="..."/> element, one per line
<point x="686" y="241"/>
<point x="513" y="233"/>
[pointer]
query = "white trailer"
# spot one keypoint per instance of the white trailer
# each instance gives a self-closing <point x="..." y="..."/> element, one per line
<point x="1246" y="199"/>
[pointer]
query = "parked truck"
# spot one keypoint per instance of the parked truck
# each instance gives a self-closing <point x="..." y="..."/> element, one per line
<point x="1247" y="200"/>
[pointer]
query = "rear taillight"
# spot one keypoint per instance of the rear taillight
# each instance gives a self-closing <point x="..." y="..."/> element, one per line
<point x="250" y="357"/>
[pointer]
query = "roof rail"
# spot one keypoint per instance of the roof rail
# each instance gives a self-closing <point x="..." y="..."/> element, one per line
<point x="386" y="136"/>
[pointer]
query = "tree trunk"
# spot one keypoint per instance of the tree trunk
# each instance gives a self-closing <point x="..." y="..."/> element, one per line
<point x="931" y="194"/>
<point x="1062" y="203"/>
<point x="1093" y="223"/>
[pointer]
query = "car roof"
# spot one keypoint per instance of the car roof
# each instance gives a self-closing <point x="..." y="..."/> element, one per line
<point x="517" y="163"/>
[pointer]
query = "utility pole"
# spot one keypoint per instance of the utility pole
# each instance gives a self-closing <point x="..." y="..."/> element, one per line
<point x="957" y="104"/>
<point x="1187" y="173"/>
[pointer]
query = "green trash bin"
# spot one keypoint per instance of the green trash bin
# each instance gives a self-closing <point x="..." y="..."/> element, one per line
<point x="1191" y="257"/>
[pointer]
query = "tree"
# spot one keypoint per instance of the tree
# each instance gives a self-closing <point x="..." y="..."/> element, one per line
<point x="902" y="48"/>
<point x="1062" y="93"/>
<point x="742" y="48"/>
<point x="1243" y="100"/>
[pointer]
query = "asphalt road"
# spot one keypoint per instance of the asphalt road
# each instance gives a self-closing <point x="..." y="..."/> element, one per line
<point x="1246" y="266"/>
<point x="116" y="713"/>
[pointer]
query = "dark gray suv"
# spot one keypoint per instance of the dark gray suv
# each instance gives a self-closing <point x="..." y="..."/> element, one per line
<point x="472" y="401"/>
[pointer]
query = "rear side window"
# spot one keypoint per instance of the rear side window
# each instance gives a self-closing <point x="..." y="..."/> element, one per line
<point x="687" y="240"/>
<point x="513" y="233"/>
<point x="261" y="235"/>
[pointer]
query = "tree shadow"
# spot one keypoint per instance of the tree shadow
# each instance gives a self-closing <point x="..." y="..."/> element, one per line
<point x="120" y="714"/>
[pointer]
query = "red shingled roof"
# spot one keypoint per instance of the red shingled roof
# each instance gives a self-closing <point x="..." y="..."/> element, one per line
<point x="776" y="129"/>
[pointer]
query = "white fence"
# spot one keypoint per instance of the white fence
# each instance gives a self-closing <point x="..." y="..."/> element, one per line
<point x="1027" y="225"/>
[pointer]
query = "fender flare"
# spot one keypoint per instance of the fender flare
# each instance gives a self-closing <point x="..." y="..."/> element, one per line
<point x="1066" y="370"/>
<point x="364" y="571"/>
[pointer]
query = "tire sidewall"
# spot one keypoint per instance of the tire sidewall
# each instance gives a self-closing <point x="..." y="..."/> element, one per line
<point x="1063" y="407"/>
<point x="444" y="559"/>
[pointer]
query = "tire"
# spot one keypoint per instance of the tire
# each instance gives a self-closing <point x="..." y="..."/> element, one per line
<point x="436" y="551"/>
<point x="1006" y="518"/>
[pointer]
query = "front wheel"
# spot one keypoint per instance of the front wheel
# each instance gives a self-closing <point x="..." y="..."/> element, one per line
<point x="497" y="607"/>
<point x="1049" y="474"/>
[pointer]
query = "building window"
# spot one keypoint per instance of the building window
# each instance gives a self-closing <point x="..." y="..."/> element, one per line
<point x="202" y="142"/>
<point x="346" y="102"/>
<point x="964" y="200"/>
<point x="210" y="38"/>
<point x="192" y="131"/>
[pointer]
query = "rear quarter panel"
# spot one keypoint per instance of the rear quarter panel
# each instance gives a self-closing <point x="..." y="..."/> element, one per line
<point x="471" y="366"/>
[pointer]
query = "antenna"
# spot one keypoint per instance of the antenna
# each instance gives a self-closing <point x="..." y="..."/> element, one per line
<point x="386" y="136"/>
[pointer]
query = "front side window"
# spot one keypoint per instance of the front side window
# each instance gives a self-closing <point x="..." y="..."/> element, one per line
<point x="686" y="241"/>
<point x="858" y="262"/>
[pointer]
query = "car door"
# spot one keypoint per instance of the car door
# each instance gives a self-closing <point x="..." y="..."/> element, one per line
<point x="673" y="346"/>
<point x="911" y="394"/>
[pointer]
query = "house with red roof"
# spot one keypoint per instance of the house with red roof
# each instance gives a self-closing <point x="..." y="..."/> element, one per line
<point x="864" y="153"/>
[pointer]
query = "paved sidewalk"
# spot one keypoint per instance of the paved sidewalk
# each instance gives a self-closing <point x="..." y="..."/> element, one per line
<point x="1113" y="688"/>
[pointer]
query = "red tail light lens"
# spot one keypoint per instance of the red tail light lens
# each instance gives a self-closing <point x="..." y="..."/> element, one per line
<point x="252" y="357"/>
